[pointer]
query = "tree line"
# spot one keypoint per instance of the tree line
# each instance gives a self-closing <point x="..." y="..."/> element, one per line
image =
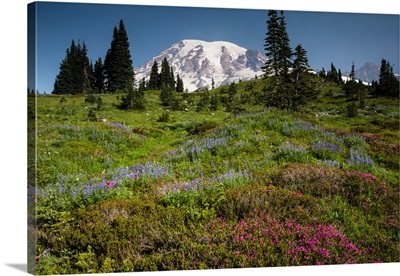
<point x="291" y="83"/>
<point x="78" y="75"/>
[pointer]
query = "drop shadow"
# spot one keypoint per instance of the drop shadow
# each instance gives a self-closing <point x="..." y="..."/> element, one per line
<point x="20" y="267"/>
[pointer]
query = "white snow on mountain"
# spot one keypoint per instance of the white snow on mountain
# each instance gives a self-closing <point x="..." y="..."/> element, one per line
<point x="198" y="62"/>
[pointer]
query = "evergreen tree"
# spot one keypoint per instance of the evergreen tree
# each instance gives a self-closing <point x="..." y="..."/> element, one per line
<point x="271" y="45"/>
<point x="134" y="98"/>
<point x="213" y="83"/>
<point x="351" y="87"/>
<point x="165" y="75"/>
<point x="204" y="101"/>
<point x="284" y="50"/>
<point x="322" y="73"/>
<point x="75" y="72"/>
<point x="214" y="102"/>
<point x="172" y="79"/>
<point x="352" y="73"/>
<point x="388" y="84"/>
<point x="118" y="63"/>
<point x="167" y="96"/>
<point x="333" y="74"/>
<point x="154" y="77"/>
<point x="300" y="64"/>
<point x="98" y="76"/>
<point x="87" y="67"/>
<point x="277" y="46"/>
<point x="232" y="104"/>
<point x="142" y="86"/>
<point x="179" y="84"/>
<point x="339" y="78"/>
<point x="304" y="87"/>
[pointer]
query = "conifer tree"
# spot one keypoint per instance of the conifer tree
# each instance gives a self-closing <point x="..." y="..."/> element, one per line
<point x="278" y="51"/>
<point x="118" y="63"/>
<point x="204" y="101"/>
<point x="300" y="64"/>
<point x="284" y="50"/>
<point x="154" y="77"/>
<point x="271" y="45"/>
<point x="333" y="74"/>
<point x="351" y="87"/>
<point x="142" y="86"/>
<point x="179" y="84"/>
<point x="304" y="86"/>
<point x="75" y="72"/>
<point x="167" y="96"/>
<point x="232" y="104"/>
<point x="133" y="99"/>
<point x="388" y="84"/>
<point x="340" y="80"/>
<point x="214" y="102"/>
<point x="165" y="75"/>
<point x="98" y="76"/>
<point x="172" y="81"/>
<point x="86" y="65"/>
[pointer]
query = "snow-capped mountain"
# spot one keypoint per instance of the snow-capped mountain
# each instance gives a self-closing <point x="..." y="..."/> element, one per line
<point x="367" y="73"/>
<point x="198" y="62"/>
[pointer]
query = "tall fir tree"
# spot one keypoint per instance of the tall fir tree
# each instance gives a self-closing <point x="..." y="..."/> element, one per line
<point x="172" y="81"/>
<point x="165" y="75"/>
<point x="271" y="45"/>
<point x="179" y="84"/>
<point x="98" y="76"/>
<point x="339" y="77"/>
<point x="277" y="47"/>
<point x="304" y="84"/>
<point x="75" y="71"/>
<point x="351" y="87"/>
<point x="388" y="84"/>
<point x="118" y="63"/>
<point x="284" y="50"/>
<point x="154" y="77"/>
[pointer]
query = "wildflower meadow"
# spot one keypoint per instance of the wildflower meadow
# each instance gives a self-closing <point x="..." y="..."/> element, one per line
<point x="258" y="187"/>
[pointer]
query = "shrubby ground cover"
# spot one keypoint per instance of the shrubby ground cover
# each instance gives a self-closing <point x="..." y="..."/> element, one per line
<point x="261" y="187"/>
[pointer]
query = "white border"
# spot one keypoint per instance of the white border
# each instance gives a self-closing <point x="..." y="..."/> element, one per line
<point x="13" y="68"/>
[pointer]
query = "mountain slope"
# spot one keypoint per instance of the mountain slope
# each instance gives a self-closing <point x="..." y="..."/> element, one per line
<point x="367" y="73"/>
<point x="198" y="62"/>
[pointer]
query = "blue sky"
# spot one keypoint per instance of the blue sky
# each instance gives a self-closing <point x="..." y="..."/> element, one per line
<point x="328" y="37"/>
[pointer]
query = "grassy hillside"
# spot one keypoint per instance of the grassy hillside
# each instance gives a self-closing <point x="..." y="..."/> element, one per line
<point x="212" y="189"/>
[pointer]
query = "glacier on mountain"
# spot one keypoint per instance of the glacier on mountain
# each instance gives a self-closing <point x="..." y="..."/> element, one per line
<point x="199" y="62"/>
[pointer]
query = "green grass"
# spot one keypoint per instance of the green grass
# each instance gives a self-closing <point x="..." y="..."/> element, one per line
<point x="213" y="189"/>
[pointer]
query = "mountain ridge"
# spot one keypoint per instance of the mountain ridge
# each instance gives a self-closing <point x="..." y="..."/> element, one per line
<point x="199" y="62"/>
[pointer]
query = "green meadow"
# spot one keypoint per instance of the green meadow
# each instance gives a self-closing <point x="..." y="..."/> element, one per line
<point x="202" y="188"/>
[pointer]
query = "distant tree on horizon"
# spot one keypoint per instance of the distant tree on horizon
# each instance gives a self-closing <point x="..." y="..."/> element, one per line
<point x="351" y="86"/>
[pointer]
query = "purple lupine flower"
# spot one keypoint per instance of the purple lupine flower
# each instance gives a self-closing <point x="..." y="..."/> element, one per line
<point x="320" y="146"/>
<point x="192" y="185"/>
<point x="358" y="158"/>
